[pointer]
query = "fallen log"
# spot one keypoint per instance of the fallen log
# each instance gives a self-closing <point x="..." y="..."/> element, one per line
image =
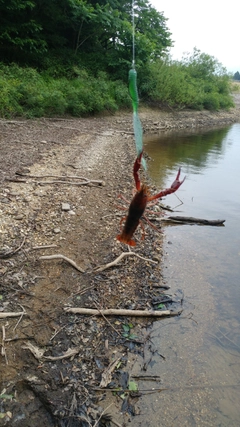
<point x="121" y="312"/>
<point x="191" y="220"/>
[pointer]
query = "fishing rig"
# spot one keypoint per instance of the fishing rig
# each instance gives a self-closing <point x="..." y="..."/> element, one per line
<point x="142" y="197"/>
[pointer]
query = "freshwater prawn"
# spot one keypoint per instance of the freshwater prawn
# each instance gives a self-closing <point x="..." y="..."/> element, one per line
<point x="139" y="203"/>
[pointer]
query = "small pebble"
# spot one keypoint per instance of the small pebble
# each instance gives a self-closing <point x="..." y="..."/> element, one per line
<point x="66" y="207"/>
<point x="19" y="217"/>
<point x="56" y="230"/>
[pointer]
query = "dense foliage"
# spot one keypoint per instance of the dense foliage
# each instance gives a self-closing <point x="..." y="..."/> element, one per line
<point x="25" y="92"/>
<point x="198" y="81"/>
<point x="96" y="34"/>
<point x="73" y="56"/>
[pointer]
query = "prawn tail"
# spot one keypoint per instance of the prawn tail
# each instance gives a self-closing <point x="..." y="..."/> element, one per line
<point x="124" y="238"/>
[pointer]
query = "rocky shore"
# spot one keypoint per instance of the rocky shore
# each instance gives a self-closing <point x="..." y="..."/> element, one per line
<point x="59" y="186"/>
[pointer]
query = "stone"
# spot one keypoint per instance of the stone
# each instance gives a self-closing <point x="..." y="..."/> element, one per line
<point x="56" y="230"/>
<point x="66" y="207"/>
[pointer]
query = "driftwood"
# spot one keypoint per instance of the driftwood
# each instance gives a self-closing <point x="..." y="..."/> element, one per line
<point x="122" y="312"/>
<point x="191" y="220"/>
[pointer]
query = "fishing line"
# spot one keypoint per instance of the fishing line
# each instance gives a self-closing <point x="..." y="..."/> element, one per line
<point x="133" y="37"/>
<point x="132" y="78"/>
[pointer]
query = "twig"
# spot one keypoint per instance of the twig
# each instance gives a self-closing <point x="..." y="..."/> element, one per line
<point x="147" y="377"/>
<point x="148" y="391"/>
<point x="12" y="122"/>
<point x="105" y="410"/>
<point x="116" y="423"/>
<point x="55" y="176"/>
<point x="191" y="220"/>
<point x="15" y="180"/>
<point x="3" y="350"/>
<point x="73" y="407"/>
<point x="228" y="339"/>
<point x="61" y="179"/>
<point x="107" y="373"/>
<point x="19" y="320"/>
<point x="69" y="353"/>
<point x="37" y="248"/>
<point x="56" y="332"/>
<point x="165" y="208"/>
<point x="120" y="257"/>
<point x="158" y="390"/>
<point x="12" y="314"/>
<point x="60" y="256"/>
<point x="102" y="314"/>
<point x="39" y="353"/>
<point x="122" y="312"/>
<point x="82" y="292"/>
<point x="90" y="181"/>
<point x="181" y="202"/>
<point x="13" y="252"/>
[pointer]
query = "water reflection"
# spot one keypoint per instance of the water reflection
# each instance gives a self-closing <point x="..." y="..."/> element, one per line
<point x="212" y="191"/>
<point x="178" y="149"/>
<point x="203" y="355"/>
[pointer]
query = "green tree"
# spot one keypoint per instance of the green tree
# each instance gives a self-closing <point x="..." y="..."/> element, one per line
<point x="99" y="33"/>
<point x="201" y="65"/>
<point x="198" y="81"/>
<point x="236" y="76"/>
<point x="19" y="32"/>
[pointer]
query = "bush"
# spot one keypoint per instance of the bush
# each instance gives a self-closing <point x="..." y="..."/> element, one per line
<point x="170" y="84"/>
<point x="196" y="82"/>
<point x="25" y="91"/>
<point x="211" y="102"/>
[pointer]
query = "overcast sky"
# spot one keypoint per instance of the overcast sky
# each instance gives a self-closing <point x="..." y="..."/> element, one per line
<point x="209" y="25"/>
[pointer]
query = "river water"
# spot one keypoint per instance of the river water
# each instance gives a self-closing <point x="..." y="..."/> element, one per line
<point x="201" y="369"/>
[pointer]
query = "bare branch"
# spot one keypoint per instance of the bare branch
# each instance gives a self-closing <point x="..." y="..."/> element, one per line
<point x="122" y="312"/>
<point x="60" y="256"/>
<point x="12" y="314"/>
<point x="120" y="257"/>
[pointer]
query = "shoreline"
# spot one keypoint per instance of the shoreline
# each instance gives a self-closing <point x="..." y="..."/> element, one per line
<point x="32" y="215"/>
<point x="157" y="121"/>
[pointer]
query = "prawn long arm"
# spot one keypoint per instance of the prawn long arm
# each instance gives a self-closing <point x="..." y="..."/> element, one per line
<point x="174" y="187"/>
<point x="139" y="203"/>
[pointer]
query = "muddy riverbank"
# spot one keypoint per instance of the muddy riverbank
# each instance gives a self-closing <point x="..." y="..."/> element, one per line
<point x="59" y="187"/>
